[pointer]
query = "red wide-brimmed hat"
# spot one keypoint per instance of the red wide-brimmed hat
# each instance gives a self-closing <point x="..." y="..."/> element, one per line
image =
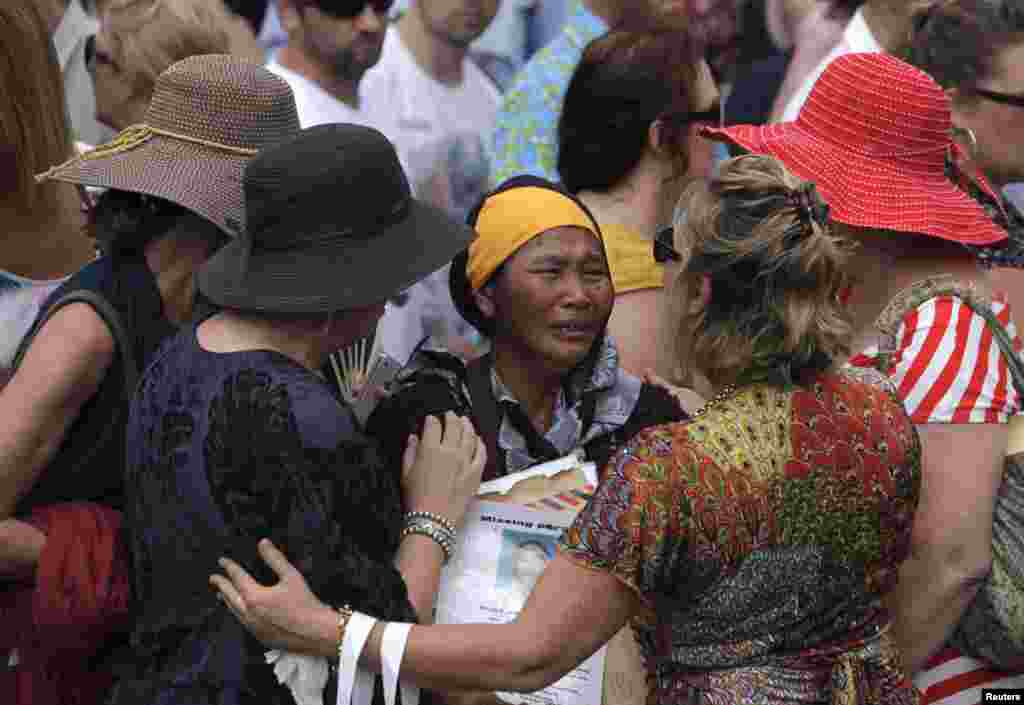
<point x="874" y="136"/>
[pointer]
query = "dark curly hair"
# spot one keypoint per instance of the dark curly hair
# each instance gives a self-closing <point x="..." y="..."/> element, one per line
<point x="124" y="222"/>
<point x="776" y="270"/>
<point x="958" y="42"/>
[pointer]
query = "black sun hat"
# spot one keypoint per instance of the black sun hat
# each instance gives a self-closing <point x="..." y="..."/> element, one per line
<point x="331" y="225"/>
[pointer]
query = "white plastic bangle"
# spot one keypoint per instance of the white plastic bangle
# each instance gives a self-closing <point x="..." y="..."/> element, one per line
<point x="355" y="685"/>
<point x="392" y="650"/>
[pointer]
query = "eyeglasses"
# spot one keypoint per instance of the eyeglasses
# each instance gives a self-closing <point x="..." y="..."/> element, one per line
<point x="1005" y="98"/>
<point x="664" y="248"/>
<point x="712" y="116"/>
<point x="350" y="9"/>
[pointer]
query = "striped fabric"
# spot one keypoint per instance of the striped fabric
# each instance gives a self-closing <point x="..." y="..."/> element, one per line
<point x="953" y="679"/>
<point x="948" y="369"/>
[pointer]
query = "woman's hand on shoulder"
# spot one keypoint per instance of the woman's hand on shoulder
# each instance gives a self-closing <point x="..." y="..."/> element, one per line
<point x="688" y="399"/>
<point x="280" y="616"/>
<point x="441" y="469"/>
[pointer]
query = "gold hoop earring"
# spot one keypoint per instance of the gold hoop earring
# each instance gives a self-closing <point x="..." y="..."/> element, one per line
<point x="972" y="141"/>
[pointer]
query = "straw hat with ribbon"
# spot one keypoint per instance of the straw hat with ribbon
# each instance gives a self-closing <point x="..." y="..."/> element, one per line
<point x="209" y="116"/>
<point x="874" y="135"/>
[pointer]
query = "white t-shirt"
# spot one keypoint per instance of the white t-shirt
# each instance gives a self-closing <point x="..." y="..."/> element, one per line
<point x="315" y="105"/>
<point x="857" y="39"/>
<point x="439" y="131"/>
<point x="434" y="125"/>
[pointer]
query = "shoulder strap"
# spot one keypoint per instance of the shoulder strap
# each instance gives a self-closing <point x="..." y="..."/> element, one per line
<point x="488" y="416"/>
<point x="945" y="285"/>
<point x="110" y="316"/>
<point x="124" y="347"/>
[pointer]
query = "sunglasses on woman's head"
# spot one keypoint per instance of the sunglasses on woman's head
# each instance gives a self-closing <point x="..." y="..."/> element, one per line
<point x="350" y="9"/>
<point x="711" y="116"/>
<point x="664" y="247"/>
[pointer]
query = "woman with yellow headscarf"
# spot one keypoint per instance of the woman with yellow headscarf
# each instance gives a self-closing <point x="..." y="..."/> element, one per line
<point x="535" y="283"/>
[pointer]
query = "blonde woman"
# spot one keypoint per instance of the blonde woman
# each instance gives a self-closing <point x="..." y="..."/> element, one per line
<point x="139" y="39"/>
<point x="751" y="546"/>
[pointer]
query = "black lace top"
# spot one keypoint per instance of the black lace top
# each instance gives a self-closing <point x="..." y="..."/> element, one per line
<point x="223" y="450"/>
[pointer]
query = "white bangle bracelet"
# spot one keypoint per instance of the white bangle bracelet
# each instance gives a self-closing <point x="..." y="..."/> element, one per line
<point x="355" y="685"/>
<point x="392" y="650"/>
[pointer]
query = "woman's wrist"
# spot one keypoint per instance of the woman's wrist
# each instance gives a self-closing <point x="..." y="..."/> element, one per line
<point x="433" y="526"/>
<point x="424" y="545"/>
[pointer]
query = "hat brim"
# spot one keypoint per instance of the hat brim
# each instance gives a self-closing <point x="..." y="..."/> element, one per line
<point x="911" y="199"/>
<point x="337" y="274"/>
<point x="202" y="179"/>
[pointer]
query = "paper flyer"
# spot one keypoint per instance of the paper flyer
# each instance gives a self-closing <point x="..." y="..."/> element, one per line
<point x="502" y="551"/>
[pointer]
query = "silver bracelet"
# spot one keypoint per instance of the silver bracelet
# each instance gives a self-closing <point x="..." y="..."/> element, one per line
<point x="439" y="536"/>
<point x="437" y="518"/>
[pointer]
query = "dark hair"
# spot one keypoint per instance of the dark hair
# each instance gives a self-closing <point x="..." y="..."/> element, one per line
<point x="124" y="222"/>
<point x="761" y="236"/>
<point x="625" y="81"/>
<point x="957" y="42"/>
<point x="458" y="283"/>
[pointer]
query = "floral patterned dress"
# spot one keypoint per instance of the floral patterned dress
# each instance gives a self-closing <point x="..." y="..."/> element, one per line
<point x="761" y="538"/>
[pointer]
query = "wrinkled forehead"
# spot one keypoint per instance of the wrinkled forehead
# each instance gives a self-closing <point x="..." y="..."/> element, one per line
<point x="568" y="241"/>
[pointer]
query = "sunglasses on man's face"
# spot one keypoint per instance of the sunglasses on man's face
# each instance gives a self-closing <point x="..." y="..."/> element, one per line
<point x="1004" y="98"/>
<point x="350" y="9"/>
<point x="664" y="247"/>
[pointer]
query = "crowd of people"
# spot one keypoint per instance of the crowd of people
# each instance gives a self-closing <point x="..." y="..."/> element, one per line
<point x="756" y="260"/>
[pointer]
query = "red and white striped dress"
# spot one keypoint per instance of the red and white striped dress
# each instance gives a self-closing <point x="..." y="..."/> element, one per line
<point x="949" y="369"/>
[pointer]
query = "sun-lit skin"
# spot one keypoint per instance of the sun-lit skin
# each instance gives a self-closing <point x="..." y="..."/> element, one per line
<point x="334" y="52"/>
<point x="551" y="301"/>
<point x="998" y="128"/>
<point x="457" y="22"/>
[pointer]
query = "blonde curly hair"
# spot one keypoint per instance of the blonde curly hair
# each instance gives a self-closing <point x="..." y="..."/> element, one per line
<point x="759" y="239"/>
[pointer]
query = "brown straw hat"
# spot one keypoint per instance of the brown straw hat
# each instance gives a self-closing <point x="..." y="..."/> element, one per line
<point x="209" y="116"/>
<point x="332" y="225"/>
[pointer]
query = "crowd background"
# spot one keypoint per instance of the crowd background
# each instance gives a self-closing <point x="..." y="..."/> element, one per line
<point x="556" y="124"/>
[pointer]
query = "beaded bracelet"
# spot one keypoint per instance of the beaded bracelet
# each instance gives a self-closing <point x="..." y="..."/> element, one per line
<point x="443" y="521"/>
<point x="439" y="536"/>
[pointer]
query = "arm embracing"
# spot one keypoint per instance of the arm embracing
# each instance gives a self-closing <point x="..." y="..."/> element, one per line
<point x="557" y="630"/>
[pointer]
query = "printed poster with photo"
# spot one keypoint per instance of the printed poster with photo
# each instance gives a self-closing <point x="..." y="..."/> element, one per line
<point x="502" y="551"/>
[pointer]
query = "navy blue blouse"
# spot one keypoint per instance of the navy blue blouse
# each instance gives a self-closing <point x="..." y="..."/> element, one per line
<point x="223" y="450"/>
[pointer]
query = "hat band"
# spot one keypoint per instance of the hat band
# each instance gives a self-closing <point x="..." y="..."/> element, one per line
<point x="137" y="135"/>
<point x="398" y="213"/>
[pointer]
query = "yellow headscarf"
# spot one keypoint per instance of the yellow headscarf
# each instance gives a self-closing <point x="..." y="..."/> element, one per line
<point x="509" y="219"/>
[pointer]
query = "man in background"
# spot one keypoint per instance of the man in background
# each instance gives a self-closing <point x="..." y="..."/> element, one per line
<point x="442" y="107"/>
<point x="329" y="49"/>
